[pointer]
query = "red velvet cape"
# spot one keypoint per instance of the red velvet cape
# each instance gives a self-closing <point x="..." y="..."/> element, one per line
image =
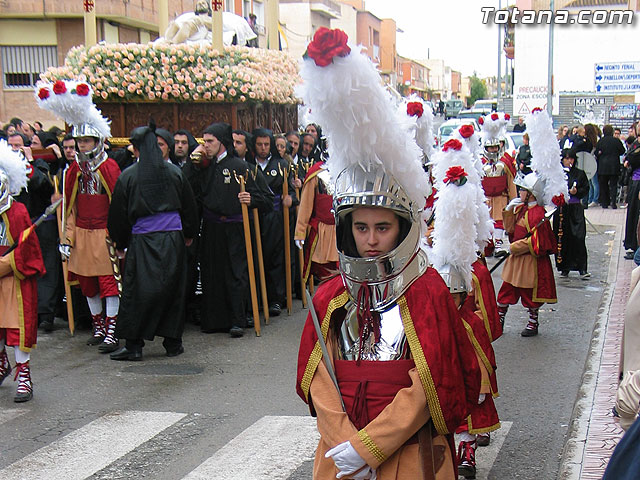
<point x="27" y="260"/>
<point x="485" y="294"/>
<point x="440" y="348"/>
<point x="108" y="172"/>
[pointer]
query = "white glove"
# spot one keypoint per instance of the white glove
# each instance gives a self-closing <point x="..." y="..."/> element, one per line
<point x="65" y="251"/>
<point x="514" y="203"/>
<point x="481" y="398"/>
<point x="299" y="243"/>
<point x="348" y="461"/>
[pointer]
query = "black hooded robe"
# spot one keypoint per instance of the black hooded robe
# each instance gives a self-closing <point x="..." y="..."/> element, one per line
<point x="155" y="271"/>
<point x="572" y="246"/>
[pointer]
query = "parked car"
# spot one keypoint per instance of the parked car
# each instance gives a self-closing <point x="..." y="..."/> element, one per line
<point x="452" y="108"/>
<point x="445" y="132"/>
<point x="470" y="113"/>
<point x="486" y="106"/>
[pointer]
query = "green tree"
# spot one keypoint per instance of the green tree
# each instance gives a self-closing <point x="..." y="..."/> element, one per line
<point x="477" y="89"/>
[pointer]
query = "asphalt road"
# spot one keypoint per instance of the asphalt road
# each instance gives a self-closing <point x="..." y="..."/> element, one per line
<point x="227" y="408"/>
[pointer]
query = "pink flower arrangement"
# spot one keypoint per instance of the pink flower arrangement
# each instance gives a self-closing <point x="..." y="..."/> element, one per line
<point x="182" y="73"/>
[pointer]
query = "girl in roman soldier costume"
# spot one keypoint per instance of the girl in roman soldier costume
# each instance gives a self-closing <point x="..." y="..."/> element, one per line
<point x="527" y="274"/>
<point x="499" y="173"/>
<point x="18" y="271"/>
<point x="88" y="185"/>
<point x="460" y="231"/>
<point x="398" y="374"/>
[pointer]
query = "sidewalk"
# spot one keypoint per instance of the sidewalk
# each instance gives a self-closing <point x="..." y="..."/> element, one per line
<point x="594" y="433"/>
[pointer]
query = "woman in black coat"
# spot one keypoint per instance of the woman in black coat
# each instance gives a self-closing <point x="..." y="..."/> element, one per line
<point x="608" y="152"/>
<point x="572" y="249"/>
<point x="632" y="161"/>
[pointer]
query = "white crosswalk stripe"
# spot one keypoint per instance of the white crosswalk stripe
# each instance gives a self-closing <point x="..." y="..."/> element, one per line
<point x="272" y="448"/>
<point x="9" y="414"/>
<point x="93" y="446"/>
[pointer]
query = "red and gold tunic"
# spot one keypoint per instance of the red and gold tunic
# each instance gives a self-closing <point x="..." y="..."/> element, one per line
<point x="439" y="383"/>
<point x="499" y="187"/>
<point x="316" y="223"/>
<point x="86" y="220"/>
<point x="18" y="279"/>
<point x="529" y="265"/>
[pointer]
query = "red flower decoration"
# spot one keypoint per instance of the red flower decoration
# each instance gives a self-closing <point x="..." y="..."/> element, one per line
<point x="537" y="109"/>
<point x="466" y="131"/>
<point x="43" y="94"/>
<point x="494" y="116"/>
<point x="481" y="121"/>
<point x="452" y="144"/>
<point x="82" y="89"/>
<point x="59" y="87"/>
<point x="456" y="175"/>
<point x="507" y="116"/>
<point x="431" y="199"/>
<point x="326" y="45"/>
<point x="558" y="200"/>
<point x="415" y="109"/>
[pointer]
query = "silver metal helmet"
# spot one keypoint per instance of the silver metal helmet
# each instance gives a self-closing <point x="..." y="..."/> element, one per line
<point x="452" y="278"/>
<point x="493" y="142"/>
<point x="532" y="183"/>
<point x="388" y="275"/>
<point x="95" y="155"/>
<point x="5" y="194"/>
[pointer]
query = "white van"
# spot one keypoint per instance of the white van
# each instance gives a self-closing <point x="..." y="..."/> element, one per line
<point x="486" y="105"/>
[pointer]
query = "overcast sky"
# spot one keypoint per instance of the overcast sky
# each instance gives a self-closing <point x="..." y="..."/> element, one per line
<point x="451" y="30"/>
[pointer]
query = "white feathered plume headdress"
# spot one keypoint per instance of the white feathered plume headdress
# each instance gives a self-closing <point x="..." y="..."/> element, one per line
<point x="421" y="118"/>
<point x="494" y="126"/>
<point x="72" y="101"/>
<point x="345" y="93"/>
<point x="456" y="223"/>
<point x="546" y="157"/>
<point x="14" y="167"/>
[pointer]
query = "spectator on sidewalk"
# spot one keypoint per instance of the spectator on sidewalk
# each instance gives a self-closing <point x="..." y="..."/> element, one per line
<point x="632" y="162"/>
<point x="608" y="151"/>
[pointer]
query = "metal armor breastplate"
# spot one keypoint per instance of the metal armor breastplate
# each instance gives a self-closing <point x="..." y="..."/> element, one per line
<point x="493" y="169"/>
<point x="393" y="343"/>
<point x="4" y="238"/>
<point x="89" y="182"/>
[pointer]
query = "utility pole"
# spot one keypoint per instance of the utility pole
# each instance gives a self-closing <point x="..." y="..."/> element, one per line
<point x="499" y="56"/>
<point x="550" y="65"/>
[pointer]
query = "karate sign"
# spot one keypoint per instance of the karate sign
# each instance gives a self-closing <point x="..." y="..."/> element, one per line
<point x="88" y="5"/>
<point x="216" y="5"/>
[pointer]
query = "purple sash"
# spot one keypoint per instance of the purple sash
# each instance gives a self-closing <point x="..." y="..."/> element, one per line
<point x="212" y="217"/>
<point x="635" y="176"/>
<point x="159" y="222"/>
<point x="277" y="203"/>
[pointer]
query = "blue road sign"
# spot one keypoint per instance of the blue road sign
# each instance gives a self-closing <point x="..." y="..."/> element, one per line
<point x="617" y="77"/>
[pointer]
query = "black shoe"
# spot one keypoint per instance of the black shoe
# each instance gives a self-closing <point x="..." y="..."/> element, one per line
<point x="605" y="206"/>
<point x="629" y="255"/>
<point x="531" y="330"/>
<point x="564" y="273"/>
<point x="108" y="347"/>
<point x="614" y="207"/>
<point x="584" y="274"/>
<point x="275" y="309"/>
<point x="236" y="332"/>
<point x="47" y="326"/>
<point x="124" y="354"/>
<point x="176" y="352"/>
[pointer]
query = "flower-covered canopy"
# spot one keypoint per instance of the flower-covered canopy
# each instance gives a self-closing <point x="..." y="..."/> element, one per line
<point x="185" y="73"/>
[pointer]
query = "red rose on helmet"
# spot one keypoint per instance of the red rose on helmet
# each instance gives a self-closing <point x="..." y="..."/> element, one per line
<point x="415" y="109"/>
<point x="558" y="200"/>
<point x="326" y="45"/>
<point x="452" y="144"/>
<point x="481" y="120"/>
<point x="466" y="131"/>
<point x="82" y="89"/>
<point x="43" y="94"/>
<point x="537" y="109"/>
<point x="456" y="175"/>
<point x="507" y="116"/>
<point x="59" y="87"/>
<point x="494" y="116"/>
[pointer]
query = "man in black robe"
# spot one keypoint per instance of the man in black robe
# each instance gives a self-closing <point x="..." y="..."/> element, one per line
<point x="153" y="216"/>
<point x="224" y="271"/>
<point x="569" y="223"/>
<point x="271" y="223"/>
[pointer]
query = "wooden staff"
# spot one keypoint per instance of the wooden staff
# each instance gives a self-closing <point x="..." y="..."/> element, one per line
<point x="247" y="243"/>
<point x="65" y="266"/>
<point x="287" y="241"/>
<point x="263" y="283"/>
<point x="300" y="250"/>
<point x="311" y="285"/>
